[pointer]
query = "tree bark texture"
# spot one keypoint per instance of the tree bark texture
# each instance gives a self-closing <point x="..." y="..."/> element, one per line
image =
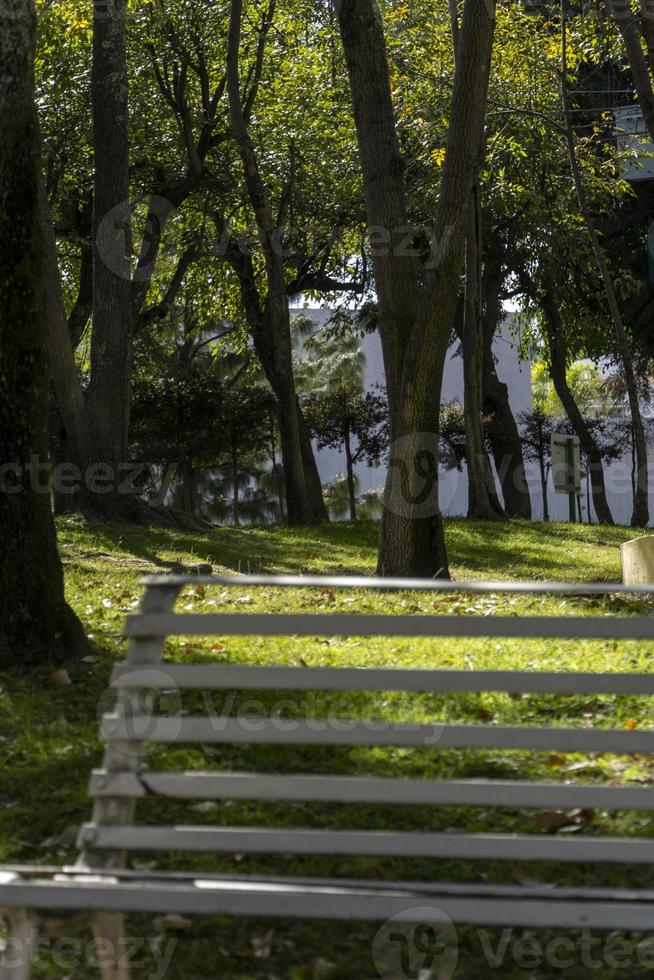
<point x="36" y="624"/>
<point x="416" y="306"/>
<point x="109" y="388"/>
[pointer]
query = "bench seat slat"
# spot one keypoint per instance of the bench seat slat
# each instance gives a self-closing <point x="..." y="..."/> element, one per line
<point x="505" y="586"/>
<point x="273" y="624"/>
<point x="256" y="731"/>
<point x="473" y="905"/>
<point x="352" y="789"/>
<point x="226" y="677"/>
<point x="260" y="840"/>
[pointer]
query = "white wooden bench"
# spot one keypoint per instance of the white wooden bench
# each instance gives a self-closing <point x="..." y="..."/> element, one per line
<point x="100" y="885"/>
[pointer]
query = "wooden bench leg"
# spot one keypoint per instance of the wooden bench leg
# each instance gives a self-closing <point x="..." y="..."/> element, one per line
<point x="111" y="950"/>
<point x="22" y="941"/>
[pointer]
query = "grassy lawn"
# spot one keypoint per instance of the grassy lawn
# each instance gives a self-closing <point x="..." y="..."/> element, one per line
<point x="48" y="732"/>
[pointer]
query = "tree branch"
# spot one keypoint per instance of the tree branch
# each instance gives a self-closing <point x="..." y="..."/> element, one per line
<point x="642" y="80"/>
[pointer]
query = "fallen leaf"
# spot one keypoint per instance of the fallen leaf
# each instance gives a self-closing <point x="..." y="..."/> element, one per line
<point x="262" y="946"/>
<point x="61" y="678"/>
<point x="174" y="921"/>
<point x="583" y="816"/>
<point x="524" y="877"/>
<point x="552" y="819"/>
<point x="580" y="766"/>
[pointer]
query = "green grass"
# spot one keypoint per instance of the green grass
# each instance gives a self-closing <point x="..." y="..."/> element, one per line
<point x="48" y="732"/>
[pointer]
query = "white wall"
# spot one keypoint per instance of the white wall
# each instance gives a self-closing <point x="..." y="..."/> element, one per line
<point x="515" y="373"/>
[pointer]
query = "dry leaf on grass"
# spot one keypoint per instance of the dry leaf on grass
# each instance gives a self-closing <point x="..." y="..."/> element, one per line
<point x="61" y="678"/>
<point x="524" y="877"/>
<point x="177" y="922"/>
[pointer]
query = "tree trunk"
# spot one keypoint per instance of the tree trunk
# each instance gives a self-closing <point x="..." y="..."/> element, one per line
<point x="109" y="387"/>
<point x="351" y="492"/>
<point x="316" y="501"/>
<point x="640" y="73"/>
<point x="588" y="491"/>
<point x="65" y="378"/>
<point x="83" y="306"/>
<point x="543" y="474"/>
<point x="189" y="492"/>
<point x="416" y="309"/>
<point x="640" y="516"/>
<point x="278" y="473"/>
<point x="558" y="361"/>
<point x="236" y="517"/>
<point x="298" y="507"/>
<point x="501" y="427"/>
<point x="36" y="624"/>
<point x="482" y="496"/>
<point x="270" y="322"/>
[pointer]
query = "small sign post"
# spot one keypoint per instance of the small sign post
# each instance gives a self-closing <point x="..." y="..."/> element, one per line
<point x="566" y="469"/>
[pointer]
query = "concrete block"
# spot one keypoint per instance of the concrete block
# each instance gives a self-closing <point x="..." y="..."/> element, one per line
<point x="638" y="561"/>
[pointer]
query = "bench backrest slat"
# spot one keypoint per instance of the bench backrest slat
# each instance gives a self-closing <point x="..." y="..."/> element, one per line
<point x="500" y="627"/>
<point x="248" y="730"/>
<point x="247" y="840"/>
<point x="353" y="789"/>
<point x="206" y="677"/>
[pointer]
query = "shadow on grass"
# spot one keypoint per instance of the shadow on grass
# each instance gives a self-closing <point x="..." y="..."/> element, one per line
<point x="510" y="549"/>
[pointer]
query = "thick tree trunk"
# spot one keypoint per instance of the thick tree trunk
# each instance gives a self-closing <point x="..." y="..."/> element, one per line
<point x="501" y="427"/>
<point x="558" y="373"/>
<point x="412" y="538"/>
<point x="109" y="388"/>
<point x="416" y="311"/>
<point x="36" y="625"/>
